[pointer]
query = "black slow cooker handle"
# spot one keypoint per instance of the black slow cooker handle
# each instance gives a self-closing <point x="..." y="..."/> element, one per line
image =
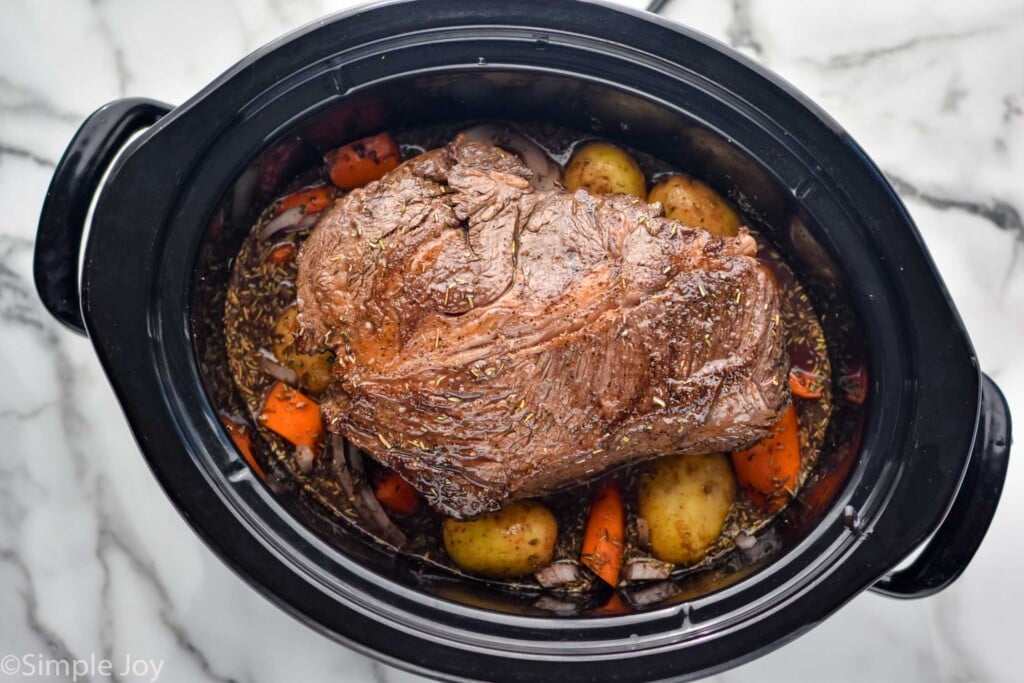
<point x="62" y="221"/>
<point x="951" y="548"/>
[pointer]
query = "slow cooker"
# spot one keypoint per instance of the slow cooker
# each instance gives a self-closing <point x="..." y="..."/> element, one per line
<point x="917" y="453"/>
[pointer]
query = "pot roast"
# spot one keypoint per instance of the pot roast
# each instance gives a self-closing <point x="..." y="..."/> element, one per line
<point x="495" y="341"/>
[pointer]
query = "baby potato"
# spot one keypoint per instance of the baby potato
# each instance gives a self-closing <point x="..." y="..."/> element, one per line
<point x="603" y="168"/>
<point x="693" y="203"/>
<point x="518" y="539"/>
<point x="685" y="499"/>
<point x="313" y="370"/>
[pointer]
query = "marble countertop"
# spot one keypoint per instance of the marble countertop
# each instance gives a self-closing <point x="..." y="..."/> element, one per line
<point x="95" y="562"/>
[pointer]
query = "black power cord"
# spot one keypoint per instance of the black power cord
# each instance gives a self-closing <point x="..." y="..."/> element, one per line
<point x="656" y="6"/>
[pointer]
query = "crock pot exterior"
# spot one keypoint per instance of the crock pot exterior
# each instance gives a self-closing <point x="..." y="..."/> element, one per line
<point x="936" y="436"/>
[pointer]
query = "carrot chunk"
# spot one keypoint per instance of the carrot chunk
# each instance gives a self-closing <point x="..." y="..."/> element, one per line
<point x="314" y="199"/>
<point x="804" y="383"/>
<point x="397" y="495"/>
<point x="362" y="161"/>
<point x="281" y="254"/>
<point x="615" y="605"/>
<point x="292" y="415"/>
<point x="240" y="435"/>
<point x="768" y="471"/>
<point x="605" y="534"/>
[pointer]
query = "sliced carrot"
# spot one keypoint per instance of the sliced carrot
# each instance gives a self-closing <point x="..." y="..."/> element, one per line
<point x="293" y="415"/>
<point x="604" y="539"/>
<point x="397" y="495"/>
<point x="768" y="471"/>
<point x="804" y="383"/>
<point x="615" y="605"/>
<point x="239" y="433"/>
<point x="281" y="254"/>
<point x="314" y="199"/>
<point x="362" y="161"/>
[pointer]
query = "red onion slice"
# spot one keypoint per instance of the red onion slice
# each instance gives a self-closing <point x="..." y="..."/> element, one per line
<point x="283" y="223"/>
<point x="558" y="574"/>
<point x="546" y="173"/>
<point x="269" y="365"/>
<point x="304" y="456"/>
<point x="653" y="594"/>
<point x="308" y="221"/>
<point x="744" y="541"/>
<point x="553" y="604"/>
<point x="348" y="467"/>
<point x="647" y="569"/>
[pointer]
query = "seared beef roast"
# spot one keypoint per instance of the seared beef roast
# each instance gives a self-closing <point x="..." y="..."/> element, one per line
<point x="494" y="341"/>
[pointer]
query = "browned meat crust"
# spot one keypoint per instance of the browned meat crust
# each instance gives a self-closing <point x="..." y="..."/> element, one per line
<point x="496" y="342"/>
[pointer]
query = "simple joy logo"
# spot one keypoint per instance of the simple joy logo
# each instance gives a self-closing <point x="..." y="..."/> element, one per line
<point x="39" y="665"/>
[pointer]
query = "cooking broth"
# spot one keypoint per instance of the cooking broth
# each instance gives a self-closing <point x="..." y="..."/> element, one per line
<point x="261" y="289"/>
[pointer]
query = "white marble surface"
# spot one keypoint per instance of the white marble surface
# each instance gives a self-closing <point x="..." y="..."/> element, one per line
<point x="95" y="562"/>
